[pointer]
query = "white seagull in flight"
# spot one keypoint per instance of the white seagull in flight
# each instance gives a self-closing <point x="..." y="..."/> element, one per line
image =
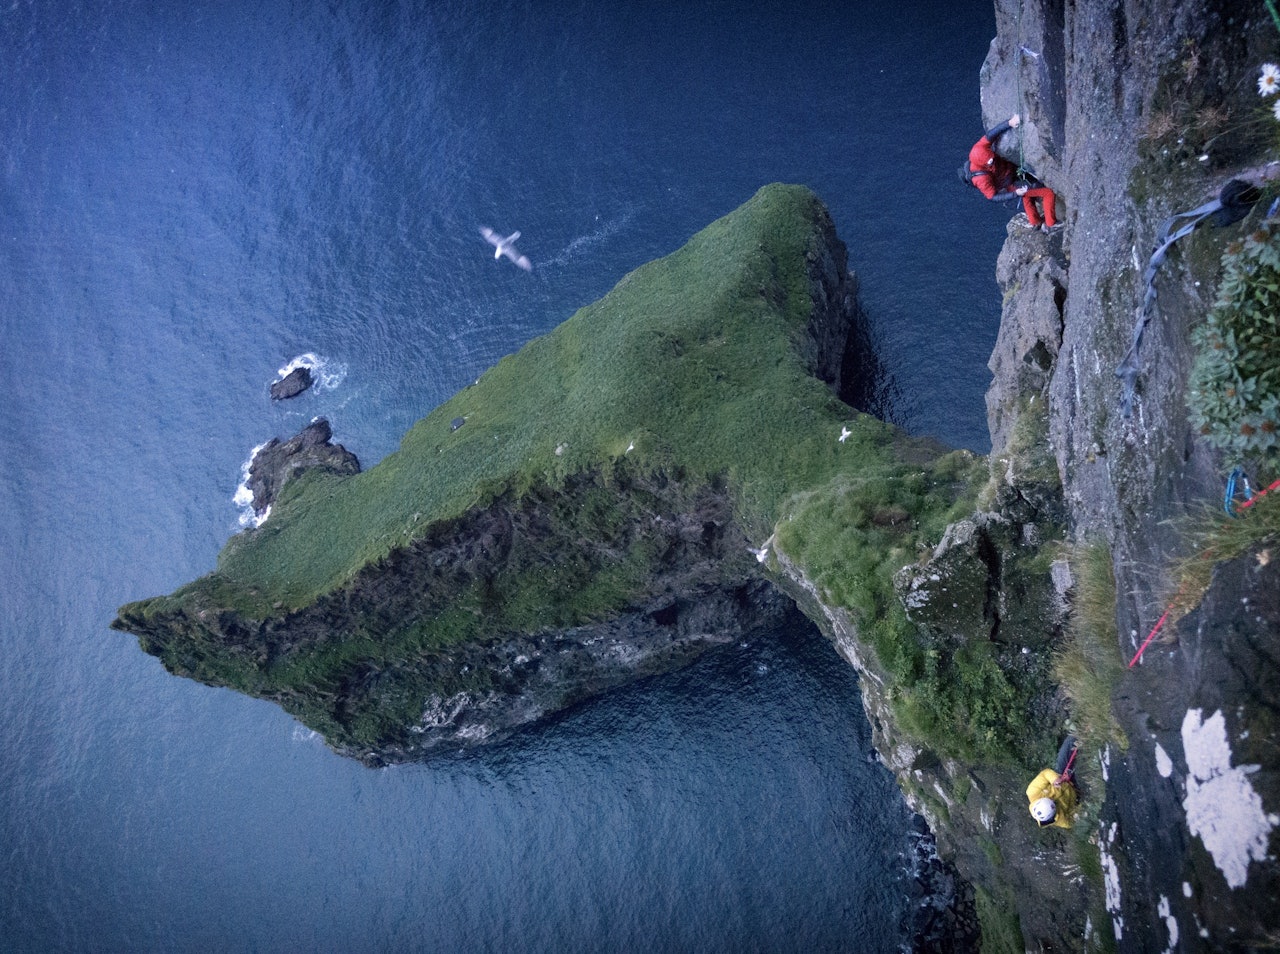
<point x="506" y="246"/>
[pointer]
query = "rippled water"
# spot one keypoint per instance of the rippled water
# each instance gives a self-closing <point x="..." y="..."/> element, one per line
<point x="195" y="195"/>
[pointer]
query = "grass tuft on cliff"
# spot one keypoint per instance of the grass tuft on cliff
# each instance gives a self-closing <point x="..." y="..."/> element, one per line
<point x="1212" y="538"/>
<point x="1088" y="664"/>
<point x="852" y="536"/>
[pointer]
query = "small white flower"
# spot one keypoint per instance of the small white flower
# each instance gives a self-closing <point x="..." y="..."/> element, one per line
<point x="1275" y="110"/>
<point x="845" y="434"/>
<point x="1269" y="80"/>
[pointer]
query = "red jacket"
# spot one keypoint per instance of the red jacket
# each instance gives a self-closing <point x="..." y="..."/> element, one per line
<point x="998" y="177"/>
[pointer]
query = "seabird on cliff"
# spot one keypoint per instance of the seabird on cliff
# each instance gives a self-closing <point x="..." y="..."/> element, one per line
<point x="845" y="434"/>
<point x="506" y="246"/>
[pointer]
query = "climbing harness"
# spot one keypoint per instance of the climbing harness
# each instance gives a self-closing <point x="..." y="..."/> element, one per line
<point x="1231" y="205"/>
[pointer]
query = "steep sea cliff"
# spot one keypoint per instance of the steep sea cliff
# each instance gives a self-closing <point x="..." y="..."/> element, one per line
<point x="675" y="465"/>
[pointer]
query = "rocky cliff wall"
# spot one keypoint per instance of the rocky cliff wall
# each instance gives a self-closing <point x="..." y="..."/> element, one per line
<point x="1135" y="111"/>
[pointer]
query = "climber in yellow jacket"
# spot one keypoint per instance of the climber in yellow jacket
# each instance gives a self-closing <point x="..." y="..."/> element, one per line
<point x="1052" y="796"/>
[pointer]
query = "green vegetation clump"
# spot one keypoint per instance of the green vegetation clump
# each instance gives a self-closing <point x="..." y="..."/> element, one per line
<point x="1088" y="665"/>
<point x="956" y="696"/>
<point x="1214" y="537"/>
<point x="1234" y="390"/>
<point x="1001" y="932"/>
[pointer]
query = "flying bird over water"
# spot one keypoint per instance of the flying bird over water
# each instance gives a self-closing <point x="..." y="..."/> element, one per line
<point x="506" y="246"/>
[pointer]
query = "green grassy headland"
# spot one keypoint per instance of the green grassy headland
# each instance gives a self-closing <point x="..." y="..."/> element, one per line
<point x="692" y="367"/>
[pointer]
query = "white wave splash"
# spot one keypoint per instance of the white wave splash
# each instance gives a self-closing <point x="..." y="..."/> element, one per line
<point x="243" y="498"/>
<point x="584" y="242"/>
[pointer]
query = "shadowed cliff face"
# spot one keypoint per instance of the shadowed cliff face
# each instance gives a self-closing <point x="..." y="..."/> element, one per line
<point x="1135" y="111"/>
<point x="396" y="695"/>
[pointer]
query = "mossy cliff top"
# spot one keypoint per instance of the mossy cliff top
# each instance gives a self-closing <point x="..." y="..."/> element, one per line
<point x="612" y="476"/>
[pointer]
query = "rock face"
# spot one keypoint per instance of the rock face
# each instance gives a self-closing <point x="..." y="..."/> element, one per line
<point x="1135" y="111"/>
<point x="277" y="462"/>
<point x="291" y="385"/>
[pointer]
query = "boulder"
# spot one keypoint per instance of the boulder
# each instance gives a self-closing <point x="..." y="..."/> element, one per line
<point x="292" y="384"/>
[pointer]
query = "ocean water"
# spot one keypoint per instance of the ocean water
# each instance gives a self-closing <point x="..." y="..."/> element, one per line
<point x="196" y="196"/>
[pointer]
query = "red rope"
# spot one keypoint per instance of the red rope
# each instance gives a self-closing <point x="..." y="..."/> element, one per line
<point x="1259" y="495"/>
<point x="1066" y="772"/>
<point x="1160" y="622"/>
<point x="1147" y="642"/>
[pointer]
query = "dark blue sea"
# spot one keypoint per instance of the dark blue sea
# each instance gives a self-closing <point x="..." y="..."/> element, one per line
<point x="195" y="195"/>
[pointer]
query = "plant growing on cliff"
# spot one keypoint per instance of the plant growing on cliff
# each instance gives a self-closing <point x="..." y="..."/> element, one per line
<point x="1234" y="390"/>
<point x="957" y="697"/>
<point x="1212" y="539"/>
<point x="1088" y="664"/>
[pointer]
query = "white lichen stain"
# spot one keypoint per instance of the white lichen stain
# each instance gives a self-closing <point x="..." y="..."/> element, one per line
<point x="1165" y="910"/>
<point x="1222" y="807"/>
<point x="1164" y="764"/>
<point x="1111" y="879"/>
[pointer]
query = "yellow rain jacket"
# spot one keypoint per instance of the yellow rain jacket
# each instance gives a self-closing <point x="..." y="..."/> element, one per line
<point x="1049" y="784"/>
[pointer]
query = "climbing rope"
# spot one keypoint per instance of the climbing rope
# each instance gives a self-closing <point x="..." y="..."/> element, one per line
<point x="1250" y="500"/>
<point x="1170" y="231"/>
<point x="1274" y="485"/>
<point x="1150" y="636"/>
<point x="1066" y="772"/>
<point x="1022" y="156"/>
<point x="1233" y="203"/>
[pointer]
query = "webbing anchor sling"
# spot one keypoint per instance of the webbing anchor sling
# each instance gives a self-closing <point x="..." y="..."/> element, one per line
<point x="1231" y="205"/>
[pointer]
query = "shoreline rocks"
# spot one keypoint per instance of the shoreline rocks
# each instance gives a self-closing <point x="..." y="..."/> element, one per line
<point x="278" y="462"/>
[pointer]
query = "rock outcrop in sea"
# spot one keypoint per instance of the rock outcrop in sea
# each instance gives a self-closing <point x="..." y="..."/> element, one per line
<point x="680" y="469"/>
<point x="277" y="462"/>
<point x="292" y="384"/>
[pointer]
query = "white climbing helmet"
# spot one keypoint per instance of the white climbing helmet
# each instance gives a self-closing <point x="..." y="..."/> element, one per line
<point x="1043" y="810"/>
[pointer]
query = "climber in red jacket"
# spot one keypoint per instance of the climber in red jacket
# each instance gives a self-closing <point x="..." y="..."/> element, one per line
<point x="997" y="178"/>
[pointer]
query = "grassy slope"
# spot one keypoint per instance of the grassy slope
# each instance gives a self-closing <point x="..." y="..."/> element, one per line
<point x="690" y="362"/>
<point x="688" y="358"/>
